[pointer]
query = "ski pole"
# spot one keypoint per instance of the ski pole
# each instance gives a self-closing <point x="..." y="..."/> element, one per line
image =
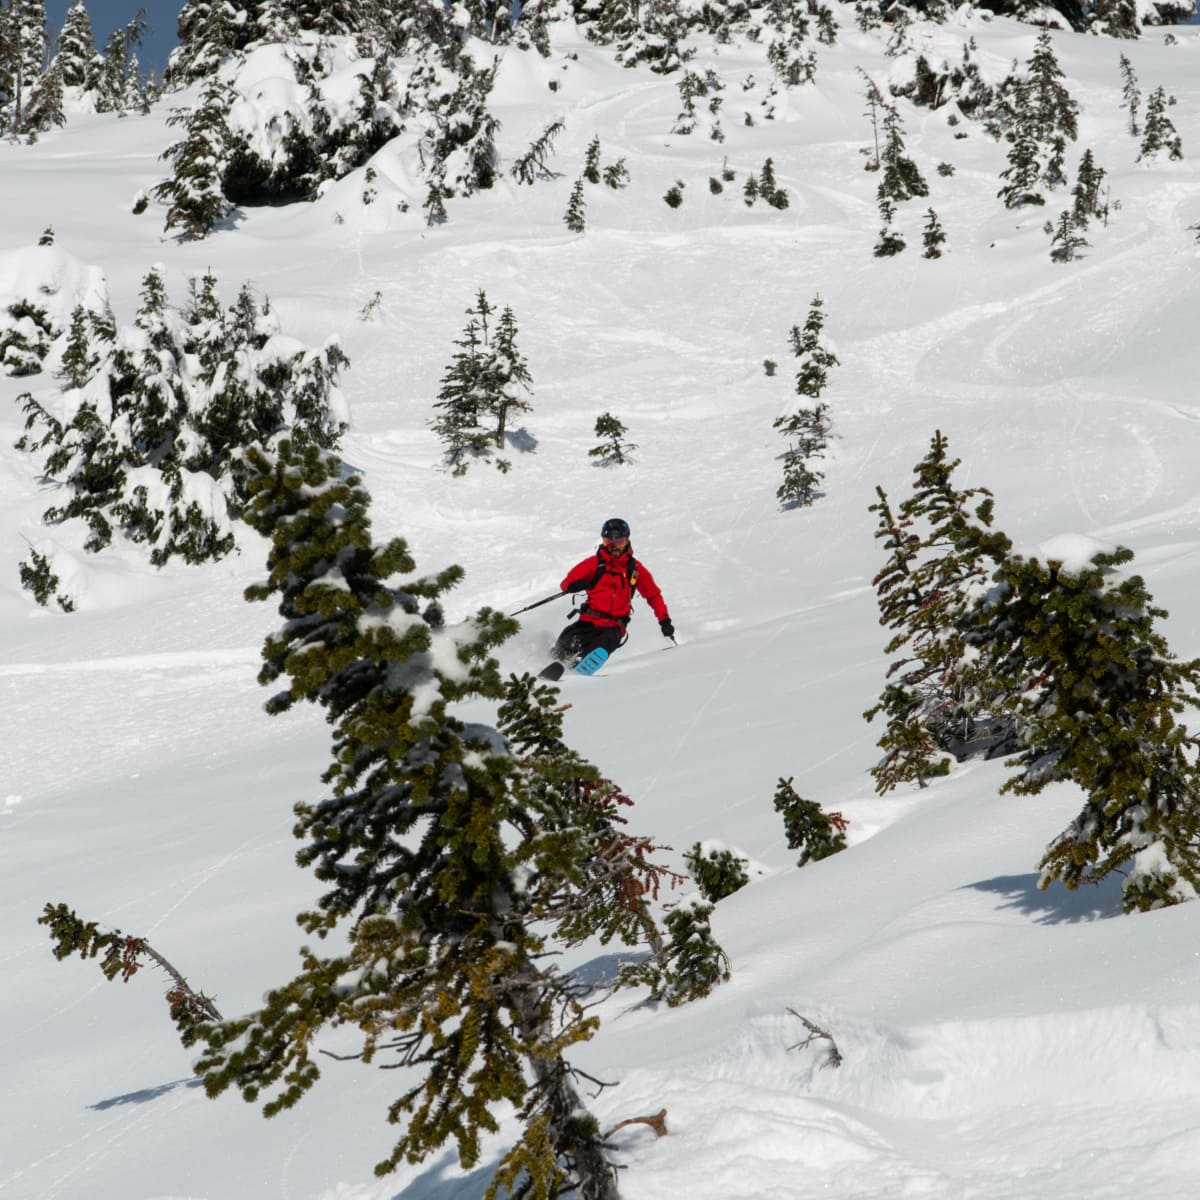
<point x="538" y="603"/>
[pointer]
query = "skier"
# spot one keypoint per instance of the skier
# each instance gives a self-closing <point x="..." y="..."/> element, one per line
<point x="609" y="577"/>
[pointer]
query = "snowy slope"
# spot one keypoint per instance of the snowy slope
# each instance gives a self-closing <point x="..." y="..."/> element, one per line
<point x="998" y="1041"/>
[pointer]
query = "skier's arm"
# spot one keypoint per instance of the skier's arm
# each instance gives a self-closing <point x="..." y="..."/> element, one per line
<point x="579" y="576"/>
<point x="649" y="591"/>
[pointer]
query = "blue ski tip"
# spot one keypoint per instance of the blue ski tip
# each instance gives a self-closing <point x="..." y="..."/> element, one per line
<point x="591" y="663"/>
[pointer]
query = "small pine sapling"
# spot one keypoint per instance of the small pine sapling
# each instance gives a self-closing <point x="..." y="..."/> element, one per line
<point x="889" y="242"/>
<point x="875" y="105"/>
<point x="534" y="163"/>
<point x="750" y="191"/>
<point x="769" y="189"/>
<point x="1159" y="133"/>
<point x="717" y="873"/>
<point x="614" y="450"/>
<point x="38" y="577"/>
<point x="674" y="195"/>
<point x="1066" y="238"/>
<point x="1085" y="195"/>
<point x="591" y="161"/>
<point x="809" y="829"/>
<point x="616" y="175"/>
<point x="695" y="962"/>
<point x="1131" y="96"/>
<point x="933" y="236"/>
<point x="576" y="207"/>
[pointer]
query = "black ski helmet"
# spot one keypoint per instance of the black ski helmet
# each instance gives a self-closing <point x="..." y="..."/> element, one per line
<point x="615" y="527"/>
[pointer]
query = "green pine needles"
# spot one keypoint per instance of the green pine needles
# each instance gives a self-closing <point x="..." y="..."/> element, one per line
<point x="808" y="428"/>
<point x="483" y="388"/>
<point x="450" y="852"/>
<point x="1053" y="658"/>
<point x="808" y="827"/>
<point x="717" y="872"/>
<point x="146" y="436"/>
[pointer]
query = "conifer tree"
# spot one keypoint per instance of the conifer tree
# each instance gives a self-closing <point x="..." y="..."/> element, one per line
<point x="1024" y="170"/>
<point x="815" y="358"/>
<point x="508" y="376"/>
<point x="445" y="973"/>
<point x="120" y="87"/>
<point x="1069" y="642"/>
<point x="45" y="108"/>
<point x="940" y="549"/>
<point x="901" y="178"/>
<point x="889" y="242"/>
<point x="769" y="189"/>
<point x="1117" y="18"/>
<point x="76" y="47"/>
<point x="1131" y="96"/>
<point x="1159" y="133"/>
<point x="808" y="827"/>
<point x="195" y="193"/>
<point x="875" y="106"/>
<point x="1085" y="195"/>
<point x="156" y="417"/>
<point x="1066" y="237"/>
<point x="574" y="217"/>
<point x="718" y="872"/>
<point x="481" y="388"/>
<point x="534" y="163"/>
<point x="1048" y="105"/>
<point x="591" y="162"/>
<point x="614" y="450"/>
<point x="464" y="385"/>
<point x="934" y="236"/>
<point x="22" y="60"/>
<point x="809" y="430"/>
<point x="695" y="961"/>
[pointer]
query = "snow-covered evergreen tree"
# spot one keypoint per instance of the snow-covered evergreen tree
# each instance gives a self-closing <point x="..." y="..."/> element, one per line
<point x="120" y="86"/>
<point x="1085" y="195"/>
<point x="1066" y="237"/>
<point x="901" y="178"/>
<point x="147" y="438"/>
<point x="77" y="47"/>
<point x="717" y="872"/>
<point x="445" y="974"/>
<point x="22" y="60"/>
<point x="1069" y="641"/>
<point x="481" y="388"/>
<point x="695" y="962"/>
<point x="614" y="450"/>
<point x="1159" y="132"/>
<point x="195" y="193"/>
<point x="941" y="548"/>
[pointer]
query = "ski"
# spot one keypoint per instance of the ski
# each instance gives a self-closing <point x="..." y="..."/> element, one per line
<point x="591" y="663"/>
<point x="588" y="665"/>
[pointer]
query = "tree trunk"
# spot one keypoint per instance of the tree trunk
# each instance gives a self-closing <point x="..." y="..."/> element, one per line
<point x="583" y="1153"/>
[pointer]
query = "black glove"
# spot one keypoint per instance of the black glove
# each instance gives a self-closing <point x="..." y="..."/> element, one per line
<point x="578" y="586"/>
<point x="667" y="628"/>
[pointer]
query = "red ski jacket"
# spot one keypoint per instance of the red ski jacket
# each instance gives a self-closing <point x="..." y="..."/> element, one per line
<point x="610" y="597"/>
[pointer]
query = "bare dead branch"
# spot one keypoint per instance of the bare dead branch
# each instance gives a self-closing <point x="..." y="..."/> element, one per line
<point x="658" y="1122"/>
<point x="834" y="1056"/>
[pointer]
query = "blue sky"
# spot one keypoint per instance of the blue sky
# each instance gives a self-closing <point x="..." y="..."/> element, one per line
<point x="108" y="15"/>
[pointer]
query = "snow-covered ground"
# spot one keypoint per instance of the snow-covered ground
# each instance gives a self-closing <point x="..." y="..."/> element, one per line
<point x="999" y="1042"/>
